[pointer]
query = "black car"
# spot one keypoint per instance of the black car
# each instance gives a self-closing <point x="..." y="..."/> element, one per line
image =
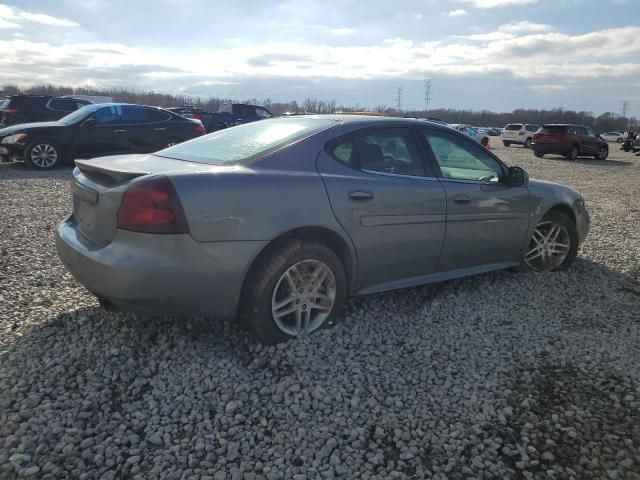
<point x="17" y="109"/>
<point x="210" y="120"/>
<point x="95" y="131"/>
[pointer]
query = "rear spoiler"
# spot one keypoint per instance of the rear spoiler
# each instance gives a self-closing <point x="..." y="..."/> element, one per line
<point x="118" y="171"/>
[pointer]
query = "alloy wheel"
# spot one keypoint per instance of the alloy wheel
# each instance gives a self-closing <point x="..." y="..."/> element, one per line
<point x="43" y="155"/>
<point x="603" y="153"/>
<point x="303" y="297"/>
<point x="549" y="246"/>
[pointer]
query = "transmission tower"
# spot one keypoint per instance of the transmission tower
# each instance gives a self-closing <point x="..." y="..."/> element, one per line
<point x="625" y="107"/>
<point x="427" y="93"/>
<point x="399" y="92"/>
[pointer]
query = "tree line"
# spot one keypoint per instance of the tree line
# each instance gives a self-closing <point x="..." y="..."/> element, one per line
<point x="604" y="122"/>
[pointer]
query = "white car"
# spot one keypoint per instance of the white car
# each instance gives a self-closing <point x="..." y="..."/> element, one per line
<point x="479" y="136"/>
<point x="617" y="137"/>
<point x="519" y="133"/>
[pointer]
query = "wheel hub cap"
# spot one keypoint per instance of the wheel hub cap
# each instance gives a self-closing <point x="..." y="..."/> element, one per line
<point x="43" y="155"/>
<point x="549" y="246"/>
<point x="303" y="297"/>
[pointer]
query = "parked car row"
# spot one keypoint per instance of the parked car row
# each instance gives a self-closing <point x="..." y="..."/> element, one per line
<point x="47" y="131"/>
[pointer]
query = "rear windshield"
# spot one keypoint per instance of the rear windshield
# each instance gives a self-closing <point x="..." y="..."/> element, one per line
<point x="247" y="142"/>
<point x="513" y="126"/>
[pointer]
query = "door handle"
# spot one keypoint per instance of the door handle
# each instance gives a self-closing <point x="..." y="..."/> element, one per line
<point x="158" y="129"/>
<point x="462" y="199"/>
<point x="119" y="131"/>
<point x="360" y="196"/>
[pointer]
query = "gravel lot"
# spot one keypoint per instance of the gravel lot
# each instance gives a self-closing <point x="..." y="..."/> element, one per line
<point x="506" y="376"/>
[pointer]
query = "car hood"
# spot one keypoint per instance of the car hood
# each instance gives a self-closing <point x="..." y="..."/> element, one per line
<point x="25" y="127"/>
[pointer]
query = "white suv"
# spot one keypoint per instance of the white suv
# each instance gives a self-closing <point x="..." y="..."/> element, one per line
<point x="519" y="133"/>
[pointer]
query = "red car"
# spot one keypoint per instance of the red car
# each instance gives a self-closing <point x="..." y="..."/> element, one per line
<point x="571" y="141"/>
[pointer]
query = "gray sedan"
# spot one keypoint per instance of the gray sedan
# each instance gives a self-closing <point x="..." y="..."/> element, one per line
<point x="279" y="221"/>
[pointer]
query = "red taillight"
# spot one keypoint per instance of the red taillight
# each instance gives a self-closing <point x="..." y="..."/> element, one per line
<point x="197" y="116"/>
<point x="200" y="129"/>
<point x="8" y="111"/>
<point x="152" y="206"/>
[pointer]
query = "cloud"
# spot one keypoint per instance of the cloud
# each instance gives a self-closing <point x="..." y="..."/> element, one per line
<point x="13" y="17"/>
<point x="498" y="3"/>
<point x="460" y="12"/>
<point x="524" y="26"/>
<point x="272" y="59"/>
<point x="342" y="31"/>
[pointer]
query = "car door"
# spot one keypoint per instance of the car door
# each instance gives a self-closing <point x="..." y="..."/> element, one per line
<point x="487" y="221"/>
<point x="136" y="133"/>
<point x="391" y="207"/>
<point x="591" y="140"/>
<point x="95" y="136"/>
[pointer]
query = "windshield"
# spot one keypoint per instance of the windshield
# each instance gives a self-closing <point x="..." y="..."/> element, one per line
<point x="78" y="115"/>
<point x="247" y="142"/>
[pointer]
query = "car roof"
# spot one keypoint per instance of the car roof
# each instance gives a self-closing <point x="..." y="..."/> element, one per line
<point x="368" y="120"/>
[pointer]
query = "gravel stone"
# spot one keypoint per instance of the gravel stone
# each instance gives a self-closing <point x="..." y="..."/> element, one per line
<point x="501" y="375"/>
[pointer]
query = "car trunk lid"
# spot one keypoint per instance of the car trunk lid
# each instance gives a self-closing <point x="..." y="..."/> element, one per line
<point x="99" y="184"/>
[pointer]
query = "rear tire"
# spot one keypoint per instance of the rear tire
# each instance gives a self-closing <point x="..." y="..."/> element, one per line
<point x="574" y="153"/>
<point x="538" y="154"/>
<point x="506" y="144"/>
<point x="282" y="270"/>
<point x="43" y="155"/>
<point x="619" y="140"/>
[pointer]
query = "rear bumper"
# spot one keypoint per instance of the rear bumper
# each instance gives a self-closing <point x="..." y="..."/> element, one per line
<point x="166" y="275"/>
<point x="551" y="148"/>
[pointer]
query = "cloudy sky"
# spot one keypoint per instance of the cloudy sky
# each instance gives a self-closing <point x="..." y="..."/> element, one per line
<point x="481" y="54"/>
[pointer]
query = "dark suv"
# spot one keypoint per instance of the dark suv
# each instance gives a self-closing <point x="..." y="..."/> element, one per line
<point x="36" y="108"/>
<point x="571" y="141"/>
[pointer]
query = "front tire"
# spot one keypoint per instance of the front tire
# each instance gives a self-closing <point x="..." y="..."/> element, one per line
<point x="295" y="289"/>
<point x="603" y="153"/>
<point x="484" y="142"/>
<point x="553" y="244"/>
<point x="506" y="144"/>
<point x="527" y="143"/>
<point x="619" y="140"/>
<point x="42" y="155"/>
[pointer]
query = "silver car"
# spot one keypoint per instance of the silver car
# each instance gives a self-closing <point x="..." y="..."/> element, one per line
<point x="279" y="221"/>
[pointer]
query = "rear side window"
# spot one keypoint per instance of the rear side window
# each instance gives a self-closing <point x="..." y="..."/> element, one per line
<point x="389" y="150"/>
<point x="131" y="114"/>
<point x="531" y="128"/>
<point x="155" y="115"/>
<point x="513" y="126"/>
<point x="63" y="105"/>
<point x="344" y="151"/>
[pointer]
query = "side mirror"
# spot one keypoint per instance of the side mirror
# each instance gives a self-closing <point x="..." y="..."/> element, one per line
<point x="89" y="122"/>
<point x="517" y="177"/>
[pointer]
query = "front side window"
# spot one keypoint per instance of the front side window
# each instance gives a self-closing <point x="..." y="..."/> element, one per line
<point x="532" y="128"/>
<point x="462" y="160"/>
<point x="591" y="133"/>
<point x="109" y="115"/>
<point x="389" y="150"/>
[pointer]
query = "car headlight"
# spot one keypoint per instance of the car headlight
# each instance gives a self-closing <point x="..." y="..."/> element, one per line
<point x="17" y="138"/>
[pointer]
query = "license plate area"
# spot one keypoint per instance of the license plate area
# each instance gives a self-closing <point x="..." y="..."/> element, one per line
<point x="85" y="201"/>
